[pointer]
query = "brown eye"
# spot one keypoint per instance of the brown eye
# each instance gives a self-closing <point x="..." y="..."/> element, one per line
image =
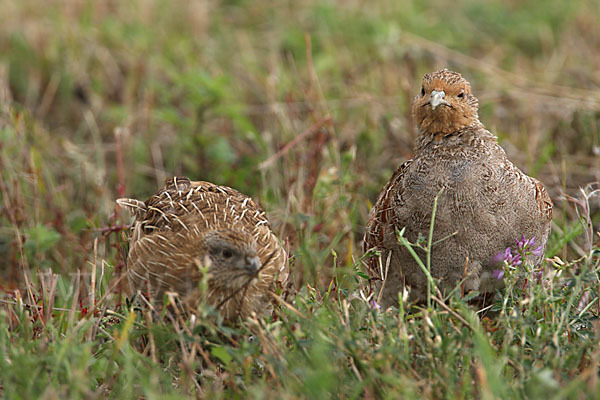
<point x="227" y="253"/>
<point x="461" y="95"/>
<point x="422" y="91"/>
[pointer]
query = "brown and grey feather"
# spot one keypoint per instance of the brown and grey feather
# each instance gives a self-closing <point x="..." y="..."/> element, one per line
<point x="486" y="202"/>
<point x="183" y="226"/>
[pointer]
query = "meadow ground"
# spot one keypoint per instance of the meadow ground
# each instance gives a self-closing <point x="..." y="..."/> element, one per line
<point x="304" y="105"/>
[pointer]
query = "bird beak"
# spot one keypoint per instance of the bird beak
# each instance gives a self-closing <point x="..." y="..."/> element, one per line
<point x="437" y="98"/>
<point x="253" y="264"/>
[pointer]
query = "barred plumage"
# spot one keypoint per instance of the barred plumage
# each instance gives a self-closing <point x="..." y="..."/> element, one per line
<point x="486" y="204"/>
<point x="188" y="224"/>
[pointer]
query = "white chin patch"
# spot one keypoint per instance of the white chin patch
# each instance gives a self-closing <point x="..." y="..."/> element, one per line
<point x="437" y="98"/>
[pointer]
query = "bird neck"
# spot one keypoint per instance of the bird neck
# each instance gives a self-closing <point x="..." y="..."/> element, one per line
<point x="428" y="136"/>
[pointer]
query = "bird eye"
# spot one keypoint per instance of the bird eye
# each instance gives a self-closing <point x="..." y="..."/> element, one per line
<point x="422" y="91"/>
<point x="461" y="95"/>
<point x="227" y="253"/>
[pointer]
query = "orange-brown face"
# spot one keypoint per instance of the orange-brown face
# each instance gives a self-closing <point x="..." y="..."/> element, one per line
<point x="445" y="104"/>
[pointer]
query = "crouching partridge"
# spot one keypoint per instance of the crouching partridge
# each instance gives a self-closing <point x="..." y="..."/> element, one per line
<point x="189" y="225"/>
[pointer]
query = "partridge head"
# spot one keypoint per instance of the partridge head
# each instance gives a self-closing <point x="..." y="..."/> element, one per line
<point x="445" y="104"/>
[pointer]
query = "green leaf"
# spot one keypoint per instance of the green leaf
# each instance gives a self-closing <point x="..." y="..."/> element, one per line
<point x="222" y="354"/>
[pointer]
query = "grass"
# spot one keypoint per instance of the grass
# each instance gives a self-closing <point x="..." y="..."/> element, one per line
<point x="306" y="107"/>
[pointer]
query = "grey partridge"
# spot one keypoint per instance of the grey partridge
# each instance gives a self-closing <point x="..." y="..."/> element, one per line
<point x="188" y="225"/>
<point x="486" y="203"/>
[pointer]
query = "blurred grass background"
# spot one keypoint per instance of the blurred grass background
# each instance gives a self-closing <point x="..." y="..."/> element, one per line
<point x="103" y="99"/>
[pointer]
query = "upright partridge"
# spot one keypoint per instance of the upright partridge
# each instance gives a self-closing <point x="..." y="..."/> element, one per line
<point x="486" y="202"/>
<point x="187" y="225"/>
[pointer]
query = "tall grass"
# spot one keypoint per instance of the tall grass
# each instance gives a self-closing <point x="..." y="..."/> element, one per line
<point x="306" y="107"/>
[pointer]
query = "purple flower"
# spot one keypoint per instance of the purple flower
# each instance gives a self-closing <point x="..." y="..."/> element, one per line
<point x="524" y="247"/>
<point x="374" y="305"/>
<point x="537" y="252"/>
<point x="507" y="256"/>
<point x="524" y="244"/>
<point x="498" y="258"/>
<point x="512" y="259"/>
